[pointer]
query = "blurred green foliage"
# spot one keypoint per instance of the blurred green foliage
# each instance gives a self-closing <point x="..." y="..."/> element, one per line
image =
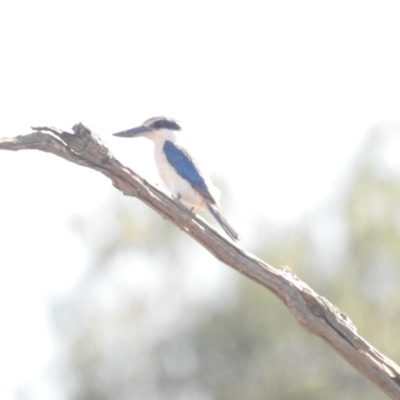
<point x="156" y="317"/>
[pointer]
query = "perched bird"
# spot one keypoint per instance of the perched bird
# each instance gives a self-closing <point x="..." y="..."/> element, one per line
<point x="178" y="169"/>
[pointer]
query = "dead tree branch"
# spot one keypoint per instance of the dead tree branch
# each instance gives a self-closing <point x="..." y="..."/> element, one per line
<point x="313" y="312"/>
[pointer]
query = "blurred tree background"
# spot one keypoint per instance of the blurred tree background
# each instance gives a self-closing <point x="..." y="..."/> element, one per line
<point x="157" y="317"/>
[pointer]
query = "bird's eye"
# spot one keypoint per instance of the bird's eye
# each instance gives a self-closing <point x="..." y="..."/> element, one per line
<point x="165" y="124"/>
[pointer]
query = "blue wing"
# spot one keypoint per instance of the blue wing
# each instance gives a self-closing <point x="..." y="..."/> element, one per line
<point x="186" y="168"/>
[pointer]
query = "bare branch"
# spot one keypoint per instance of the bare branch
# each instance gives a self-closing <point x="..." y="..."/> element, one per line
<point x="313" y="312"/>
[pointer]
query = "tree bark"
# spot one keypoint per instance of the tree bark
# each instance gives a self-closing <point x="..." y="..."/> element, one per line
<point x="312" y="311"/>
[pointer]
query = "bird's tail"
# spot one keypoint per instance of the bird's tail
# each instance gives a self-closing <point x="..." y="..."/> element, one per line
<point x="215" y="211"/>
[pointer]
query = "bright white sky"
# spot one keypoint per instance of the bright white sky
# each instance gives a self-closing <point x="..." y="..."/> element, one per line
<point x="275" y="96"/>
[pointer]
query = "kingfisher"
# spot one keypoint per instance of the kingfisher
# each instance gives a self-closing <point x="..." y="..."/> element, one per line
<point x="178" y="169"/>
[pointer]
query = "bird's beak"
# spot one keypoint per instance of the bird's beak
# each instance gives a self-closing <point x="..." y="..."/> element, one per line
<point x="138" y="131"/>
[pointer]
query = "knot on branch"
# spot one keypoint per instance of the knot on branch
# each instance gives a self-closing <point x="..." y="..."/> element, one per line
<point x="313" y="304"/>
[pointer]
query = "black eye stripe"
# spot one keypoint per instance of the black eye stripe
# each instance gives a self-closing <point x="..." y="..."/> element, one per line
<point x="165" y="124"/>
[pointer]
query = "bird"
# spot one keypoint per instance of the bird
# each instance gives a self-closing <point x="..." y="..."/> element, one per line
<point x="179" y="169"/>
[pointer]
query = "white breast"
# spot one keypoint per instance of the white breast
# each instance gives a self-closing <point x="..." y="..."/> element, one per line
<point x="178" y="186"/>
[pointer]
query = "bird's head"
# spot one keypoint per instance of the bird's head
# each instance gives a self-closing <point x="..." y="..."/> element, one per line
<point x="152" y="128"/>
